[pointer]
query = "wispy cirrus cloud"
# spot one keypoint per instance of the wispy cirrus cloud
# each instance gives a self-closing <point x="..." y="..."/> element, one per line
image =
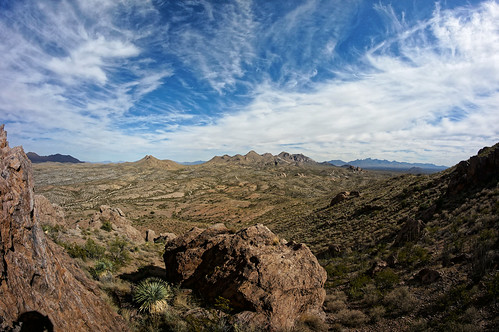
<point x="428" y="93"/>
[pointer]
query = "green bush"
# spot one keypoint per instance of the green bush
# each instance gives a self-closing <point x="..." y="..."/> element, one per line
<point x="89" y="250"/>
<point x="357" y="284"/>
<point x="413" y="255"/>
<point x="107" y="226"/>
<point x="100" y="268"/>
<point x="386" y="279"/>
<point x="118" y="252"/>
<point x="152" y="294"/>
<point x="94" y="250"/>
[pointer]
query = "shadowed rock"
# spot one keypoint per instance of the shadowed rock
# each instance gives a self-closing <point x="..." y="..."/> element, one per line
<point x="36" y="276"/>
<point x="343" y="196"/>
<point x="270" y="282"/>
<point x="410" y="231"/>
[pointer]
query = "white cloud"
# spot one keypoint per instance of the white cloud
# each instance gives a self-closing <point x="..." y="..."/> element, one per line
<point x="220" y="47"/>
<point x="404" y="107"/>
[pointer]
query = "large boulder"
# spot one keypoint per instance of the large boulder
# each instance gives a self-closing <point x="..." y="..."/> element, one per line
<point x="269" y="282"/>
<point x="39" y="283"/>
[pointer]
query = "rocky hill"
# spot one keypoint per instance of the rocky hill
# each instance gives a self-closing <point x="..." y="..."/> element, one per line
<point x="153" y="162"/>
<point x="56" y="158"/>
<point x="254" y="159"/>
<point x="41" y="288"/>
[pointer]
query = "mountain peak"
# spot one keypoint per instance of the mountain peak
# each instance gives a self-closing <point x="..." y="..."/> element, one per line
<point x="56" y="158"/>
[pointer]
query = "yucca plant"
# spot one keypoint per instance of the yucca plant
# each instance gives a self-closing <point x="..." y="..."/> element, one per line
<point x="152" y="294"/>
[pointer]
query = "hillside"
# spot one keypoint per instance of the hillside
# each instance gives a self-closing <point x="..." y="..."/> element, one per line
<point x="56" y="158"/>
<point x="412" y="252"/>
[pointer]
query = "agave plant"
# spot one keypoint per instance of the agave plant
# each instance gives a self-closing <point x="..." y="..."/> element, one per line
<point x="152" y="294"/>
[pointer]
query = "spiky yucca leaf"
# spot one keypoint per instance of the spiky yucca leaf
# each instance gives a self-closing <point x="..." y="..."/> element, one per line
<point x="151" y="295"/>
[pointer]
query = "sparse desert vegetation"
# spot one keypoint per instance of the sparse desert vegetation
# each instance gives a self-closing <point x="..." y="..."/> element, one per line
<point x="403" y="252"/>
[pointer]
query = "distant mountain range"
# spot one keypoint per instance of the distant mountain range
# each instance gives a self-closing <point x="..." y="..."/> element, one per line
<point x="56" y="158"/>
<point x="377" y="164"/>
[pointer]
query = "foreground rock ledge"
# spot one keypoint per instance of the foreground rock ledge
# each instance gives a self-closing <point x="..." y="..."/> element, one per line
<point x="40" y="285"/>
<point x="271" y="283"/>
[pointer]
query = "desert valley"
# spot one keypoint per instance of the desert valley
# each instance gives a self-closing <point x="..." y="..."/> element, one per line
<point x="246" y="243"/>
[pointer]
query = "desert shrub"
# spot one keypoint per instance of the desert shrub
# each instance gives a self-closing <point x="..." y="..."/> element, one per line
<point x="76" y="251"/>
<point x="100" y="268"/>
<point x="372" y="295"/>
<point x="89" y="250"/>
<point x="413" y="255"/>
<point x="335" y="305"/>
<point x="376" y="313"/>
<point x="386" y="279"/>
<point x="309" y="322"/>
<point x="399" y="301"/>
<point x="352" y="318"/>
<point x="107" y="226"/>
<point x="336" y="270"/>
<point x="94" y="250"/>
<point x="118" y="251"/>
<point x="152" y="294"/>
<point x="357" y="284"/>
<point x="223" y="304"/>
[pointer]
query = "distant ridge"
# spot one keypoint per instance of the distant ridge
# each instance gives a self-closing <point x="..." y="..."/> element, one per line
<point x="56" y="158"/>
<point x="377" y="164"/>
<point x="153" y="162"/>
<point x="253" y="158"/>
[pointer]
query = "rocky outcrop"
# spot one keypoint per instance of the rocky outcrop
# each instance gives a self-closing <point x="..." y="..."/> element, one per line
<point x="481" y="169"/>
<point x="150" y="235"/>
<point x="343" y="196"/>
<point x="270" y="282"/>
<point x="48" y="213"/>
<point x="118" y="221"/>
<point x="165" y="237"/>
<point x="410" y="231"/>
<point x="39" y="283"/>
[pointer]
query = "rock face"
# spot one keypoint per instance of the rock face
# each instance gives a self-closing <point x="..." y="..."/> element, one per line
<point x="270" y="283"/>
<point x="479" y="169"/>
<point x="39" y="283"/>
<point x="48" y="213"/>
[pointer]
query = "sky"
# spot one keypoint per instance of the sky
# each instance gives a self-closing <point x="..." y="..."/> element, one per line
<point x="114" y="80"/>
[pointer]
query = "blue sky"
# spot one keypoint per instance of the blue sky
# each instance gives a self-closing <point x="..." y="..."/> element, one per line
<point x="414" y="81"/>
